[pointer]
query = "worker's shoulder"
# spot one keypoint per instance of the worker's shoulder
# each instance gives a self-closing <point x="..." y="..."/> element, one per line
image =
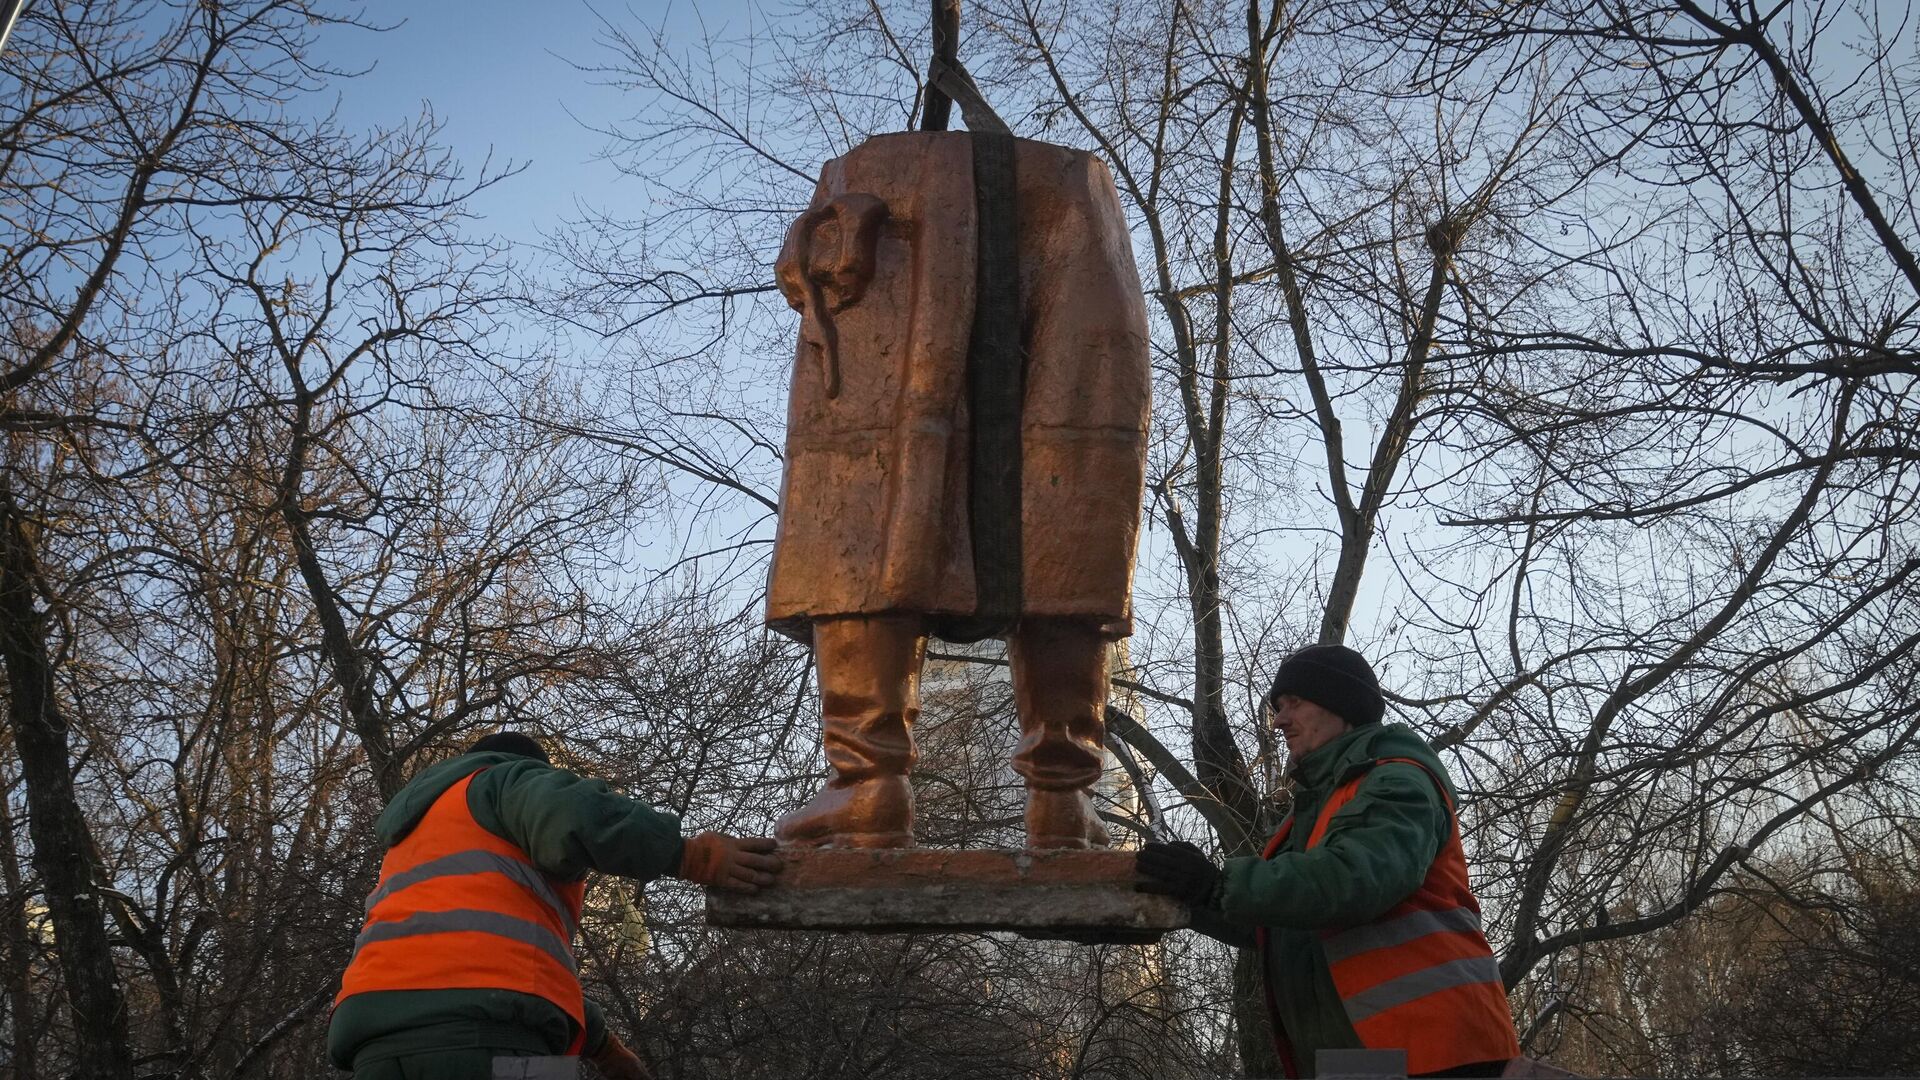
<point x="515" y="797"/>
<point x="529" y="785"/>
<point x="521" y="778"/>
<point x="1396" y="756"/>
<point x="418" y="795"/>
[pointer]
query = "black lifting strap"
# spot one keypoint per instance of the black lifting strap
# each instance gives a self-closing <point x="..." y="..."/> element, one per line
<point x="996" y="366"/>
<point x="996" y="383"/>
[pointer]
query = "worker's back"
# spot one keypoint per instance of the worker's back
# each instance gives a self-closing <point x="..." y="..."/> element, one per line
<point x="460" y="908"/>
<point x="466" y="949"/>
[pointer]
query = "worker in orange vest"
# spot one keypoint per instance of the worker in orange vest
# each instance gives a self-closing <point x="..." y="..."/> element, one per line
<point x="465" y="969"/>
<point x="1368" y="935"/>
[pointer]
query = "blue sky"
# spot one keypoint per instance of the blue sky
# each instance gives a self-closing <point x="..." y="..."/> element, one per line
<point x="501" y="77"/>
<point x="505" y="80"/>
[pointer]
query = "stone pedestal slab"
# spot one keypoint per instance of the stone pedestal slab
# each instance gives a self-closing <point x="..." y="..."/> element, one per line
<point x="1072" y="895"/>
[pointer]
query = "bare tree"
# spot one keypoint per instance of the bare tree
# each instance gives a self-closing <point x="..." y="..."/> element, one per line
<point x="114" y="143"/>
<point x="255" y="411"/>
<point x="1561" y="359"/>
<point x="1542" y="305"/>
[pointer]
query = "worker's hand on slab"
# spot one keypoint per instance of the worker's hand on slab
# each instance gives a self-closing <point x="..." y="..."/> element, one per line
<point x="616" y="1062"/>
<point x="734" y="863"/>
<point x="1179" y="870"/>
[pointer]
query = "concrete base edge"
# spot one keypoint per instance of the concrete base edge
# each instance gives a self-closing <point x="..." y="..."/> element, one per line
<point x="1083" y="896"/>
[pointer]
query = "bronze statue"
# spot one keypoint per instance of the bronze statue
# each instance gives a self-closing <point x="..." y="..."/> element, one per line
<point x="966" y="440"/>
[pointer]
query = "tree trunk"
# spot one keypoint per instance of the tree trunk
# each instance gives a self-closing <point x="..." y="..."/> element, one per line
<point x="18" y="970"/>
<point x="61" y="839"/>
<point x="1252" y="1028"/>
<point x="1357" y="529"/>
<point x="350" y="668"/>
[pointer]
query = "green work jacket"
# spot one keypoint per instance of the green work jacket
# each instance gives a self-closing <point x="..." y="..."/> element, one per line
<point x="1375" y="853"/>
<point x="567" y="825"/>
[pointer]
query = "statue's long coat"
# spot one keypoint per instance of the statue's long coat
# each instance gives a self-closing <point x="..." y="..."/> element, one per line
<point x="874" y="500"/>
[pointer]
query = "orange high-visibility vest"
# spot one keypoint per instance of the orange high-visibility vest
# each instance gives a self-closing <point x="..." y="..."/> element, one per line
<point x="1421" y="977"/>
<point x="457" y="907"/>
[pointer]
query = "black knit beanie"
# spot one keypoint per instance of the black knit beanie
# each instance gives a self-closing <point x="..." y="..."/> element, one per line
<point x="510" y="742"/>
<point x="1335" y="678"/>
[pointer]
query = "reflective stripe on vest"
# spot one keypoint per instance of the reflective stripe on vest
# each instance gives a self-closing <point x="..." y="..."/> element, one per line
<point x="483" y="922"/>
<point x="1421" y="977"/>
<point x="479" y="862"/>
<point x="1342" y="944"/>
<point x="1473" y="969"/>
<point x="459" y="907"/>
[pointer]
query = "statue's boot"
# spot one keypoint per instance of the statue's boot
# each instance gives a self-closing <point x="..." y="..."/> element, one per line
<point x="1060" y="690"/>
<point x="1063" y="819"/>
<point x="871" y="812"/>
<point x="869" y="696"/>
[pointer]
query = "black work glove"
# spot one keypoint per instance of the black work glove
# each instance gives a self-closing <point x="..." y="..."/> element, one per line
<point x="1181" y="871"/>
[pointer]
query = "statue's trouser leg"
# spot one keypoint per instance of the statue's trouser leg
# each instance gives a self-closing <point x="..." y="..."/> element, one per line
<point x="1060" y="689"/>
<point x="869" y="670"/>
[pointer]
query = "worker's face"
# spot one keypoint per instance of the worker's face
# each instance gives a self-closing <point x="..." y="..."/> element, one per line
<point x="1305" y="726"/>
